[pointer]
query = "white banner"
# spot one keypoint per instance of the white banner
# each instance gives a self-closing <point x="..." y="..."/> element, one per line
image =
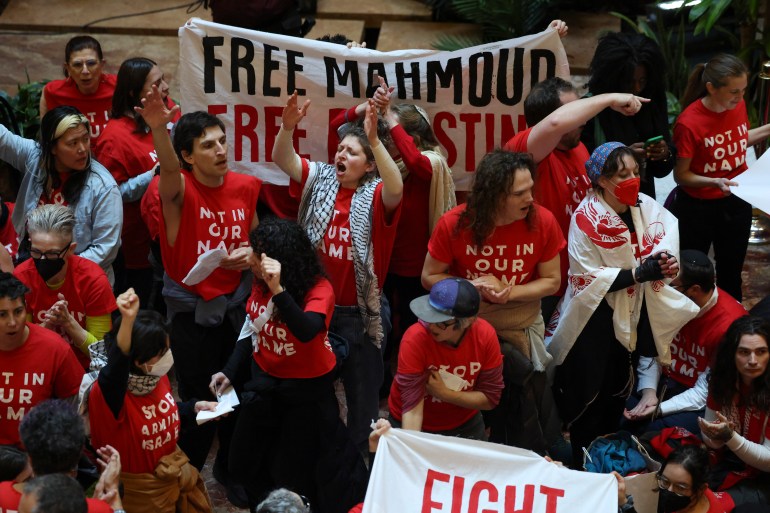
<point x="474" y="96"/>
<point x="753" y="184"/>
<point x="420" y="472"/>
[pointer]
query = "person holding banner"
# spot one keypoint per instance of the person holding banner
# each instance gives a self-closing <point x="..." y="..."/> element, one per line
<point x="737" y="412"/>
<point x="350" y="215"/>
<point x="126" y="149"/>
<point x="622" y="245"/>
<point x="508" y="247"/>
<point x="219" y="210"/>
<point x="449" y="365"/>
<point x="712" y="135"/>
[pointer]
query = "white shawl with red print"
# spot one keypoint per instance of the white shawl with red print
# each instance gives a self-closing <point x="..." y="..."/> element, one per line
<point x="600" y="246"/>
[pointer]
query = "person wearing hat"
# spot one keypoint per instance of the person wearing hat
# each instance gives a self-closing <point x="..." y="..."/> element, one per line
<point x="692" y="350"/>
<point x="622" y="246"/>
<point x="449" y="365"/>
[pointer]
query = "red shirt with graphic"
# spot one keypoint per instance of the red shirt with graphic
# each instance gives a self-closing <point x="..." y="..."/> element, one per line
<point x="86" y="289"/>
<point x="96" y="107"/>
<point x="42" y="368"/>
<point x="693" y="348"/>
<point x="10" y="498"/>
<point x="561" y="183"/>
<point x="211" y="217"/>
<point x="419" y="353"/>
<point x="56" y="196"/>
<point x="146" y="429"/>
<point x="715" y="141"/>
<point x="336" y="249"/>
<point x="8" y="236"/>
<point x="511" y="253"/>
<point x="280" y="353"/>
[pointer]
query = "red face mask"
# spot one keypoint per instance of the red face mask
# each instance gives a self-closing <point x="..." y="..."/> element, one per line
<point x="627" y="191"/>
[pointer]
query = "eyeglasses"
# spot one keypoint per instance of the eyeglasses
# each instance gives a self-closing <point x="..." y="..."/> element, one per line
<point x="680" y="489"/>
<point x="305" y="502"/>
<point x="90" y="64"/>
<point x="49" y="255"/>
<point x="446" y="324"/>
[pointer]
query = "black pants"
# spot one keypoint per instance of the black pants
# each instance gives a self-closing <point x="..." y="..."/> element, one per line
<point x="725" y="223"/>
<point x="279" y="432"/>
<point x="199" y="352"/>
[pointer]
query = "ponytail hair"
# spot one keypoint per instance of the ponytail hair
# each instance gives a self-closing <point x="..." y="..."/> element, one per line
<point x="717" y="70"/>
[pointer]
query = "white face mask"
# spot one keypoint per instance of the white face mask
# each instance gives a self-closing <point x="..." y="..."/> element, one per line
<point x="162" y="366"/>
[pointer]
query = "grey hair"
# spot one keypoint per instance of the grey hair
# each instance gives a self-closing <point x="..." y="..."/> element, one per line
<point x="282" y="500"/>
<point x="51" y="219"/>
<point x="56" y="493"/>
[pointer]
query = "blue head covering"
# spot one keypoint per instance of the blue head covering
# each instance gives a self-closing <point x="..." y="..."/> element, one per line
<point x="595" y="164"/>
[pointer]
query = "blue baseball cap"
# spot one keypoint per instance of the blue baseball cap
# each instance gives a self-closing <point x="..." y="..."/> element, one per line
<point x="451" y="298"/>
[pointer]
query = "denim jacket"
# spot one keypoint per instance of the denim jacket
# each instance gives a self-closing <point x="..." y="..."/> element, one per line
<point x="98" y="212"/>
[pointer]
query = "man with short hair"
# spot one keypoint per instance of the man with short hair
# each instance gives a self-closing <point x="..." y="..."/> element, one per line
<point x="449" y="365"/>
<point x="692" y="351"/>
<point x="35" y="363"/>
<point x="204" y="207"/>
<point x="54" y="493"/>
<point x="556" y="117"/>
<point x="53" y="434"/>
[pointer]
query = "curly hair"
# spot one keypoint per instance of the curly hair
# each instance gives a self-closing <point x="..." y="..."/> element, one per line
<point x="53" y="434"/>
<point x="724" y="379"/>
<point x="149" y="337"/>
<point x="616" y="58"/>
<point x="288" y="243"/>
<point x="493" y="180"/>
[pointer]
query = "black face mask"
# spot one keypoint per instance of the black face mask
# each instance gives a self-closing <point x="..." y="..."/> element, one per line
<point x="669" y="502"/>
<point x="47" y="268"/>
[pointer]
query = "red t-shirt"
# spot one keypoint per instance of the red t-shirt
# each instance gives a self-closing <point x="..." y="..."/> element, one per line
<point x="278" y="200"/>
<point x="146" y="429"/>
<point x="212" y="217"/>
<point x="150" y="208"/>
<point x="42" y="368"/>
<point x="127" y="154"/>
<point x="8" y="236"/>
<point x="280" y="354"/>
<point x="96" y="107"/>
<point x="511" y="253"/>
<point x="86" y="289"/>
<point x="10" y="498"/>
<point x="56" y="197"/>
<point x="715" y="141"/>
<point x="561" y="183"/>
<point x="693" y="347"/>
<point x="420" y="353"/>
<point x="336" y="248"/>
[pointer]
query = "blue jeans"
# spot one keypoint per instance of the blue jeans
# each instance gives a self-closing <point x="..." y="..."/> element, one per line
<point x="362" y="372"/>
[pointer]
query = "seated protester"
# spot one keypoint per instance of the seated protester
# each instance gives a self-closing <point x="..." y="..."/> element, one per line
<point x="682" y="485"/>
<point x="36" y="363"/>
<point x="53" y="435"/>
<point x="59" y="170"/>
<point x="8" y="237"/>
<point x="55" y="493"/>
<point x="282" y="500"/>
<point x="131" y="408"/>
<point x="692" y="351"/>
<point x="622" y="245"/>
<point x="737" y="411"/>
<point x="350" y="215"/>
<point x="449" y="365"/>
<point x="281" y="433"/>
<point x="508" y="247"/>
<point x="67" y="293"/>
